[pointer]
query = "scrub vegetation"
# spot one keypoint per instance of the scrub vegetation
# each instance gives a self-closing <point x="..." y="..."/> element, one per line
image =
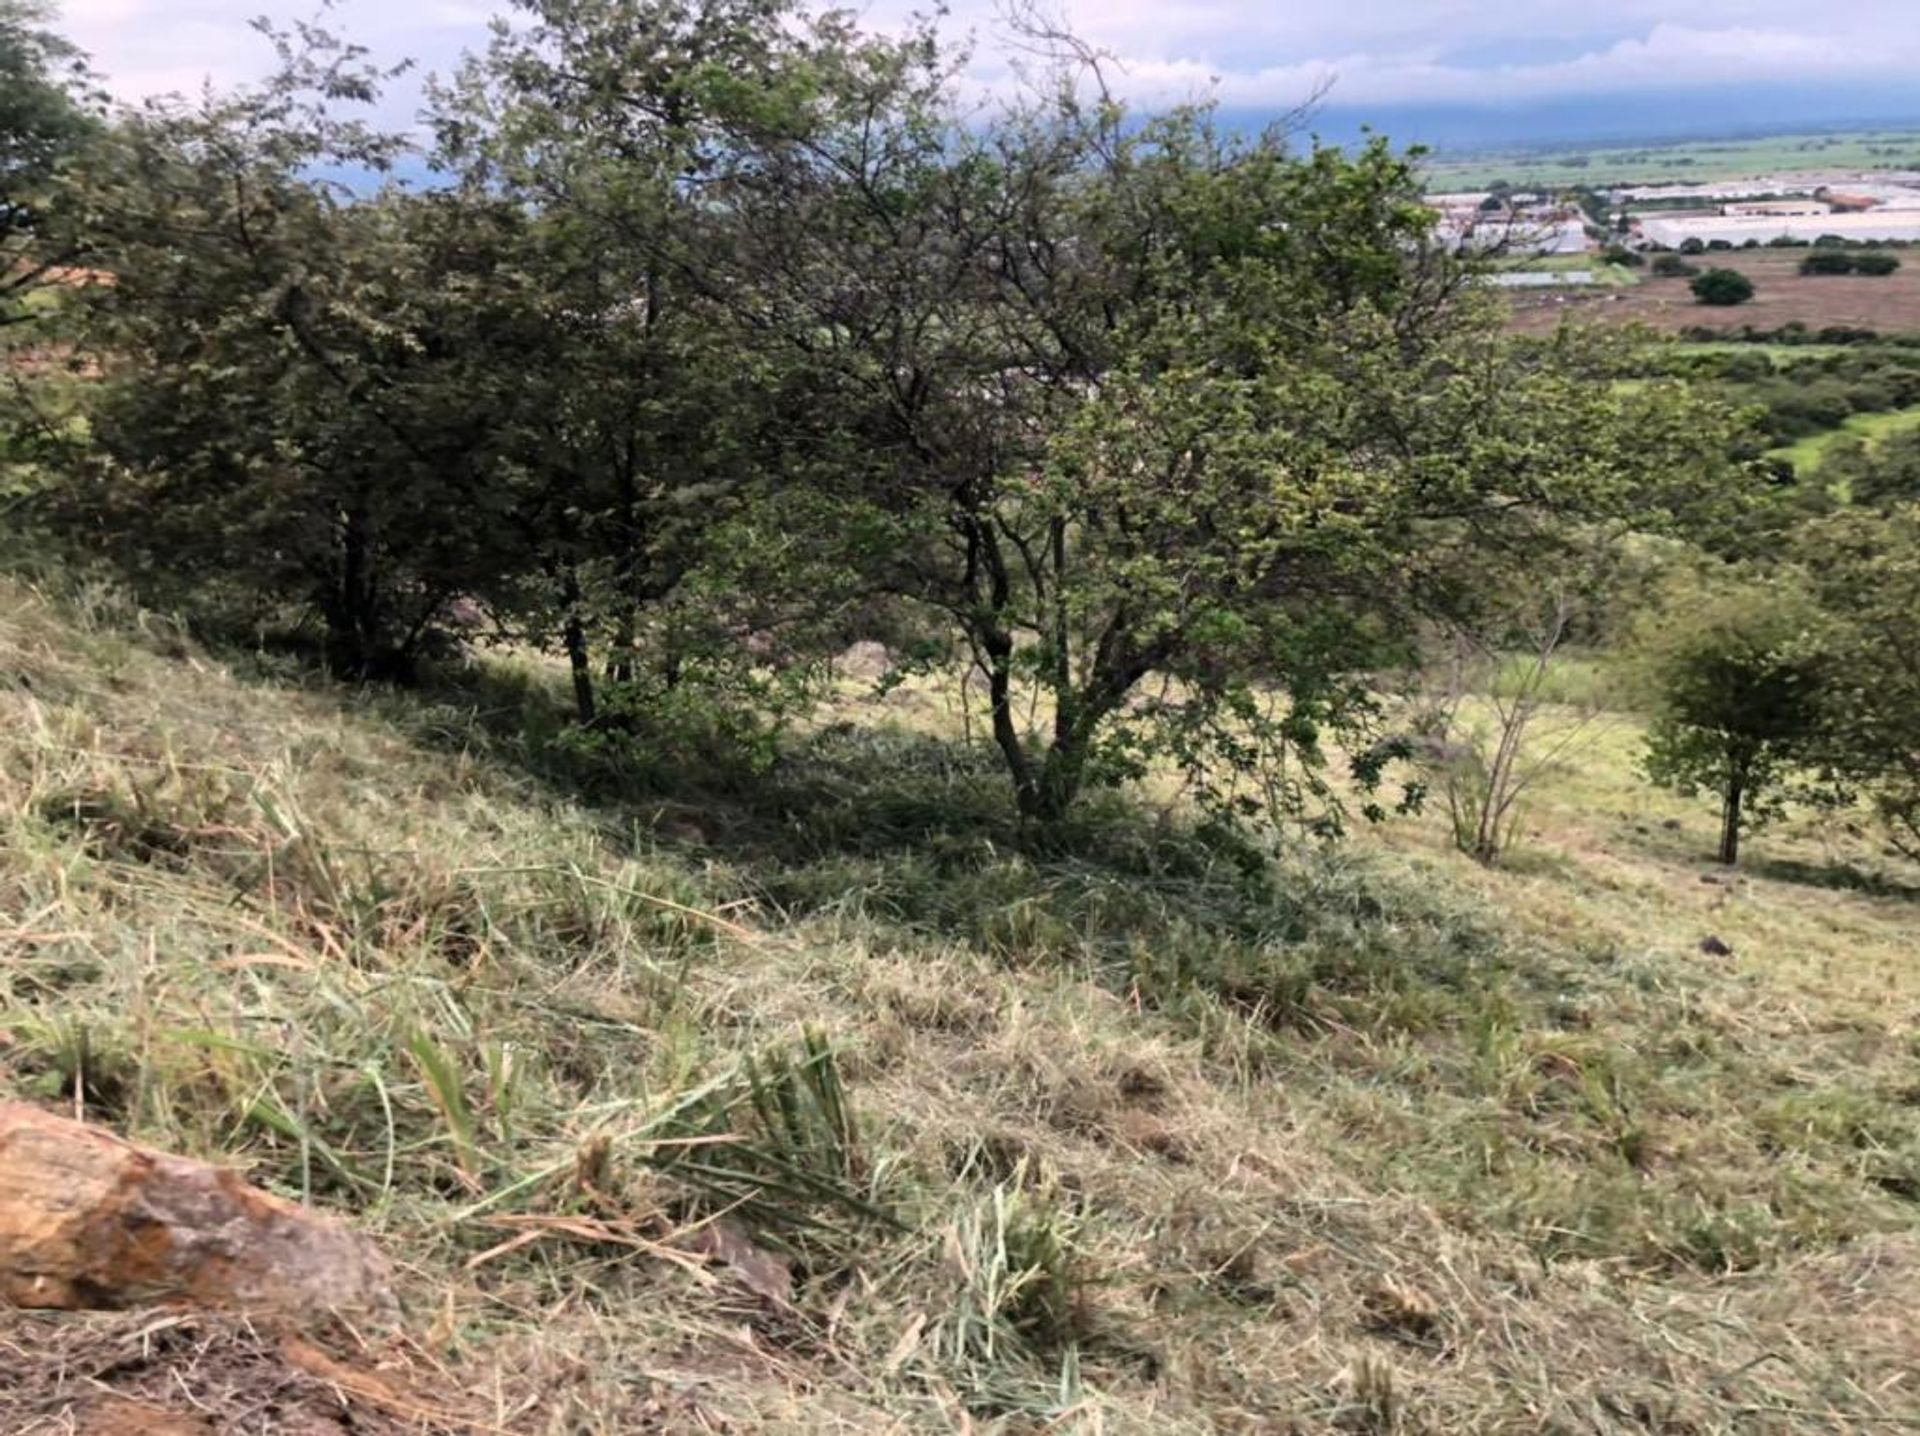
<point x="847" y="765"/>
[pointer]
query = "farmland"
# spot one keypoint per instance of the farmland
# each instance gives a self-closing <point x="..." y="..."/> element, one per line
<point x="1887" y="305"/>
<point x="1679" y="162"/>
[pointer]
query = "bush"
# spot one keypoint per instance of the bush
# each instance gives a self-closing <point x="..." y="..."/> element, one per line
<point x="1875" y="264"/>
<point x="1827" y="261"/>
<point x="1722" y="286"/>
<point x="1693" y="245"/>
<point x="1672" y="266"/>
<point x="1739" y="686"/>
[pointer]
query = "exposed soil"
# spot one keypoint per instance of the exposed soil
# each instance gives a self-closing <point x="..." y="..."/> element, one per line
<point x="172" y="1374"/>
<point x="1889" y="304"/>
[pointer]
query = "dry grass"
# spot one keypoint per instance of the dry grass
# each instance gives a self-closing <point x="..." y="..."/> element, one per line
<point x="826" y="1105"/>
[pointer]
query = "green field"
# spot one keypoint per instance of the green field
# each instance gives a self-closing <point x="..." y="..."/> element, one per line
<point x="1678" y="162"/>
<point x="1779" y="354"/>
<point x="1806" y="455"/>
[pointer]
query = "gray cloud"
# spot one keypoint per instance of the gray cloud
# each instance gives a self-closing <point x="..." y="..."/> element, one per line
<point x="1251" y="52"/>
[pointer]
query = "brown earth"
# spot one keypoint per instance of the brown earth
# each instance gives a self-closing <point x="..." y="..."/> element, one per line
<point x="1889" y="304"/>
<point x="179" y="1374"/>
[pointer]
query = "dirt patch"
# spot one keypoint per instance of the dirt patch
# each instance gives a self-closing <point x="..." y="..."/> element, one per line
<point x="1782" y="295"/>
<point x="180" y="1375"/>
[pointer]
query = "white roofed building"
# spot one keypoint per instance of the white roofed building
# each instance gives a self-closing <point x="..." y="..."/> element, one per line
<point x="1873" y="225"/>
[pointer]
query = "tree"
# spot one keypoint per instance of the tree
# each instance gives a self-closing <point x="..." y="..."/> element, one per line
<point x="1737" y="682"/>
<point x="1693" y="244"/>
<point x="652" y="412"/>
<point x="1722" y="287"/>
<point x="1865" y="569"/>
<point x="302" y="386"/>
<point x="1179" y="430"/>
<point x="1493" y="703"/>
<point x="44" y="119"/>
<point x="1880" y="475"/>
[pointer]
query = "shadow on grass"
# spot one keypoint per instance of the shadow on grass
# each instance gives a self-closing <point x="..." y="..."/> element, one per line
<point x="880" y="830"/>
<point x="874" y="827"/>
<point x="1842" y="877"/>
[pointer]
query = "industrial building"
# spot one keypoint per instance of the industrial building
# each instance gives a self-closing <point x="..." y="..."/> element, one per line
<point x="1874" y="226"/>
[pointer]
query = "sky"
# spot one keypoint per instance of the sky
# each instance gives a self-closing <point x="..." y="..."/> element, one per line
<point x="1439" y="71"/>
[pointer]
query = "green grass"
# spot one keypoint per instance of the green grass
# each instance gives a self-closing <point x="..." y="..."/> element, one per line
<point x="1780" y="355"/>
<point x="1806" y="454"/>
<point x="1133" y="1130"/>
<point x="1675" y="162"/>
<point x="1604" y="275"/>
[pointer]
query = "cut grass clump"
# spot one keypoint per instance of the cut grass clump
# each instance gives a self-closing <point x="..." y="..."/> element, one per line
<point x="1011" y="1320"/>
<point x="777" y="1146"/>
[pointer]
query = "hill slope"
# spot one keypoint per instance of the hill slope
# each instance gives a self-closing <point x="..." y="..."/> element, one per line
<point x="819" y="1103"/>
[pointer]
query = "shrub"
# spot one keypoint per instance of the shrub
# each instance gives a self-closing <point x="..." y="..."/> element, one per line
<point x="1875" y="264"/>
<point x="1672" y="266"/>
<point x="1827" y="261"/>
<point x="1738" y="685"/>
<point x="1722" y="286"/>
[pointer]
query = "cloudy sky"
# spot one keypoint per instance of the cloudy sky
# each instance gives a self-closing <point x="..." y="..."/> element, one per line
<point x="1455" y="69"/>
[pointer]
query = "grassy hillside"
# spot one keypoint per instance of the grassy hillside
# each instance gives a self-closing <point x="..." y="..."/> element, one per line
<point x="826" y="1103"/>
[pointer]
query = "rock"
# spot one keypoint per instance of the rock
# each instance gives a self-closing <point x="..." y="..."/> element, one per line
<point x="865" y="661"/>
<point x="91" y="1222"/>
<point x="768" y="1275"/>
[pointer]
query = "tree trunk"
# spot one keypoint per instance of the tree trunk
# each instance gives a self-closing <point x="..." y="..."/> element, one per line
<point x="1730" y="820"/>
<point x="352" y="605"/>
<point x="578" y="659"/>
<point x="1006" y="730"/>
<point x="1061" y="775"/>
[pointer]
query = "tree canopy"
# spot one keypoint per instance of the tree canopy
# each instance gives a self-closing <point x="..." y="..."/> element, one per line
<point x="1739" y="684"/>
<point x="1724" y="287"/>
<point x="730" y="329"/>
<point x="44" y="117"/>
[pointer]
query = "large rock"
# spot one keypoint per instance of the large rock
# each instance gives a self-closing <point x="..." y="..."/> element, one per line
<point x="90" y="1222"/>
